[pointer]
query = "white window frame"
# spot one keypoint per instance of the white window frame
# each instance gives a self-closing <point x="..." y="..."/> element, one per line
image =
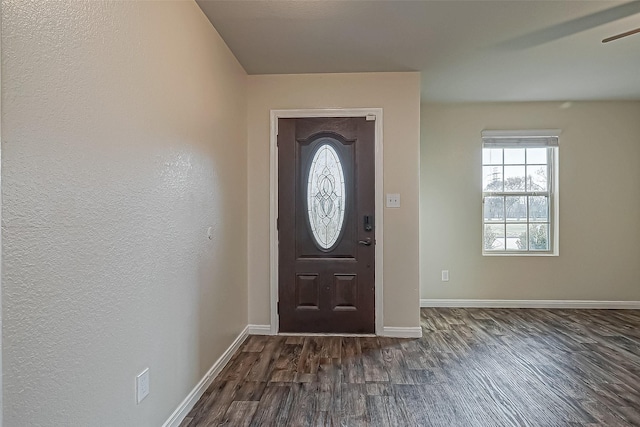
<point x="541" y="138"/>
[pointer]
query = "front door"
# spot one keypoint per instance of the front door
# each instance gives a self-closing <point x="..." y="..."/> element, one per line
<point x="326" y="225"/>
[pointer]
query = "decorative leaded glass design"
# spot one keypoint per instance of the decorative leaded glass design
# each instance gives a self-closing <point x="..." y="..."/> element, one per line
<point x="326" y="196"/>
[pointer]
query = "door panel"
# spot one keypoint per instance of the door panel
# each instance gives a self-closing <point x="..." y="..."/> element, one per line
<point x="325" y="191"/>
<point x="345" y="292"/>
<point x="307" y="292"/>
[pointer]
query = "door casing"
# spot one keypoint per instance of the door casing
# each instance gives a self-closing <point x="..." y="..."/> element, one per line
<point x="372" y="113"/>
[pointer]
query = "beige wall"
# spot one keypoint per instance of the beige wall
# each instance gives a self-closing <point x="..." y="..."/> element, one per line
<point x="1" y="348"/>
<point x="123" y="138"/>
<point x="398" y="94"/>
<point x="599" y="203"/>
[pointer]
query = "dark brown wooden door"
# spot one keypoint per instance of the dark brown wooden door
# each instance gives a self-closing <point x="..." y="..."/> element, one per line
<point x="326" y="206"/>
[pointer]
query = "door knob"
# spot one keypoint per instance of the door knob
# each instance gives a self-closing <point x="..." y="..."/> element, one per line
<point x="366" y="242"/>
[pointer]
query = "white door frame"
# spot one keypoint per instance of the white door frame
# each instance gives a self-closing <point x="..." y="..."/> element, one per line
<point x="1" y="257"/>
<point x="371" y="113"/>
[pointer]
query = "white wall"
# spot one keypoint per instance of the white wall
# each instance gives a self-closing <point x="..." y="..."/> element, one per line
<point x="1" y="222"/>
<point x="399" y="96"/>
<point x="123" y="139"/>
<point x="599" y="194"/>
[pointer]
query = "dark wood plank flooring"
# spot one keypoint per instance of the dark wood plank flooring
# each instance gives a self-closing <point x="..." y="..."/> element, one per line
<point x="472" y="367"/>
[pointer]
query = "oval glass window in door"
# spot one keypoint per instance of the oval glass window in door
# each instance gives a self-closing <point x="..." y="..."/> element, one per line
<point x="326" y="196"/>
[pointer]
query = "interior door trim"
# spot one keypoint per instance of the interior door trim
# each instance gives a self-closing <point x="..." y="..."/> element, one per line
<point x="373" y="114"/>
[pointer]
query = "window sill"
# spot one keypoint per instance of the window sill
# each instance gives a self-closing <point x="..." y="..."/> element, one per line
<point x="518" y="254"/>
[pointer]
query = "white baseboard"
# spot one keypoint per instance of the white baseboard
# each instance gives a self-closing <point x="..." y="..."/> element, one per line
<point x="259" y="330"/>
<point x="513" y="303"/>
<point x="188" y="403"/>
<point x="322" y="334"/>
<point x="395" y="332"/>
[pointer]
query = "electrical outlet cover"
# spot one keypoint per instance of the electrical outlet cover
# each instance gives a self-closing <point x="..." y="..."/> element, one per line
<point x="142" y="385"/>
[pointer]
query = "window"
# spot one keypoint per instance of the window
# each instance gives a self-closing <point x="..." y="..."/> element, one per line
<point x="519" y="192"/>
<point x="326" y="196"/>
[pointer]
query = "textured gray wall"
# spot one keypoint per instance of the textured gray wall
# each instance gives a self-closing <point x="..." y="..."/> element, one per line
<point x="124" y="139"/>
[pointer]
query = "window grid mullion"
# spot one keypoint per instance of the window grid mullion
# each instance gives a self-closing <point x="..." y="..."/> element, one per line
<point x="515" y="193"/>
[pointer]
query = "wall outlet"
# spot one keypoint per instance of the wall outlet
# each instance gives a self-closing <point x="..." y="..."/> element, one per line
<point x="142" y="385"/>
<point x="393" y="200"/>
<point x="445" y="275"/>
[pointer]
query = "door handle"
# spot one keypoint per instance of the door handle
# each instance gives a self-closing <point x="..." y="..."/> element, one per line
<point x="366" y="242"/>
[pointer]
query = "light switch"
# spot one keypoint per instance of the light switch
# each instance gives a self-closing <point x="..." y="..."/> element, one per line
<point x="393" y="200"/>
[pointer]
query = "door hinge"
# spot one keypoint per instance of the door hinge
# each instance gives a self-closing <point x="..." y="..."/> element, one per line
<point x="371" y="117"/>
<point x="278" y="223"/>
<point x="278" y="307"/>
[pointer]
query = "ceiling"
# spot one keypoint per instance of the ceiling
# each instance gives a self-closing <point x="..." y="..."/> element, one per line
<point x="520" y="50"/>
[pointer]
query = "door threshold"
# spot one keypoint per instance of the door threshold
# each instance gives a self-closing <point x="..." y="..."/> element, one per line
<point x="313" y="334"/>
